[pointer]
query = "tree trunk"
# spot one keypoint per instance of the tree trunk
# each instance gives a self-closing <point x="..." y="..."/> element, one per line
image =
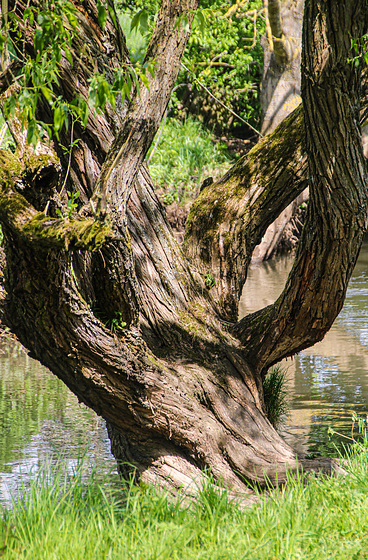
<point x="280" y="95"/>
<point x="113" y="307"/>
<point x="280" y="89"/>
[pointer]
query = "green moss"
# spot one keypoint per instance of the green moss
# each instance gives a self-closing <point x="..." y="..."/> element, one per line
<point x="10" y="167"/>
<point x="12" y="207"/>
<point x="84" y="234"/>
<point x="34" y="163"/>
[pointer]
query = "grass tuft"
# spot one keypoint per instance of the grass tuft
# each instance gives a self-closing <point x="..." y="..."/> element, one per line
<point x="275" y="395"/>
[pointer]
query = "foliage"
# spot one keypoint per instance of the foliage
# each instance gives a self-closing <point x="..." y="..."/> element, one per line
<point x="185" y="155"/>
<point x="55" y="25"/>
<point x="275" y="395"/>
<point x="135" y="38"/>
<point x="322" y="517"/>
<point x="6" y="140"/>
<point x="71" y="206"/>
<point x="209" y="280"/>
<point x="220" y="58"/>
<point x="224" y="54"/>
<point x="116" y="324"/>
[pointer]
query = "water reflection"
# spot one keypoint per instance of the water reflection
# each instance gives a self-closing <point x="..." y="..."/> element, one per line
<point x="330" y="380"/>
<point x="42" y="422"/>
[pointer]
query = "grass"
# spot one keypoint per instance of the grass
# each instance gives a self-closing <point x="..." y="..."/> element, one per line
<point x="70" y="518"/>
<point x="275" y="395"/>
<point x="184" y="154"/>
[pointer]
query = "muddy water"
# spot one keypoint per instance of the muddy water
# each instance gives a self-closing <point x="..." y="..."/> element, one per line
<point x="329" y="381"/>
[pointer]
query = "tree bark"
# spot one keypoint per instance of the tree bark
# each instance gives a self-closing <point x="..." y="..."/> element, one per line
<point x="126" y="320"/>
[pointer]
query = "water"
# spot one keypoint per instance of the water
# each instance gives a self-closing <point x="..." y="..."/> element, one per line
<point x="41" y="420"/>
<point x="41" y="423"/>
<point x="329" y="381"/>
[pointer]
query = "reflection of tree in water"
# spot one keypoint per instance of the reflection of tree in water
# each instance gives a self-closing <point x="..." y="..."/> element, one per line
<point x="40" y="419"/>
<point x="320" y="442"/>
<point x="328" y="381"/>
<point x="331" y="395"/>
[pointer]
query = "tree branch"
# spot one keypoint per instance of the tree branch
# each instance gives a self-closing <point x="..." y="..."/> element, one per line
<point x="147" y="108"/>
<point x="229" y="217"/>
<point x="34" y="227"/>
<point x="336" y="219"/>
<point x="8" y="76"/>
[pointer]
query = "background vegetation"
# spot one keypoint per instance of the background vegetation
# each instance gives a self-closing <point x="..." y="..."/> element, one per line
<point x="225" y="55"/>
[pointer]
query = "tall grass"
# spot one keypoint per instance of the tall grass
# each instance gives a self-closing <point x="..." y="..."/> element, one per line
<point x="62" y="518"/>
<point x="275" y="395"/>
<point x="184" y="156"/>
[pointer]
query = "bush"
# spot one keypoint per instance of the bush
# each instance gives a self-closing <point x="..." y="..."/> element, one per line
<point x="223" y="58"/>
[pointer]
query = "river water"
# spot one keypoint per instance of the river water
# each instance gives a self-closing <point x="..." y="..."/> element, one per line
<point x="41" y="420"/>
<point x="42" y="424"/>
<point x="329" y="381"/>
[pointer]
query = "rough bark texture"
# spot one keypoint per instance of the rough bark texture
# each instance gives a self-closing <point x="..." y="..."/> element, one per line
<point x="336" y="219"/>
<point x="230" y="217"/>
<point x="179" y="391"/>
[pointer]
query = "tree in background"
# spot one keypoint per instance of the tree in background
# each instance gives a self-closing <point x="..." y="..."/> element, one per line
<point x="97" y="288"/>
<point x="222" y="65"/>
<point x="280" y="92"/>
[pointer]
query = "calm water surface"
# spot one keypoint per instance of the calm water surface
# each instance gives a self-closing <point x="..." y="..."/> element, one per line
<point x="41" y="420"/>
<point x="328" y="381"/>
<point x="42" y="423"/>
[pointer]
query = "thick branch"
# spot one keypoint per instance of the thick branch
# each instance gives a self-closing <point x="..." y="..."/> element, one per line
<point x="17" y="214"/>
<point x="7" y="78"/>
<point x="148" y="106"/>
<point x="336" y="219"/>
<point x="229" y="217"/>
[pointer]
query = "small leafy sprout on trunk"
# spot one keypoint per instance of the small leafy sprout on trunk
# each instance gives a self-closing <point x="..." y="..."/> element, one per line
<point x="209" y="280"/>
<point x="116" y="324"/>
<point x="71" y="207"/>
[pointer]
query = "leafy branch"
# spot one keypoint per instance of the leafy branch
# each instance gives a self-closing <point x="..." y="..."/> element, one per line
<point x="55" y="24"/>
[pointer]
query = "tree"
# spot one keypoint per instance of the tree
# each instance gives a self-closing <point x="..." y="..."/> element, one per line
<point x="145" y="333"/>
<point x="280" y="92"/>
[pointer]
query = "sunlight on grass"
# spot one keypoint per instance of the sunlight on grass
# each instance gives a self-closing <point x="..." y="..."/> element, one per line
<point x="62" y="517"/>
<point x="185" y="155"/>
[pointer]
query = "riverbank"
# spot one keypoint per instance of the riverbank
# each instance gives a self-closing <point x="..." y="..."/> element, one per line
<point x="67" y="518"/>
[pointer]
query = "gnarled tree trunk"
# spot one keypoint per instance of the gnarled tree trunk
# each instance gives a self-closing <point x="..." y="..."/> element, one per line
<point x="180" y="388"/>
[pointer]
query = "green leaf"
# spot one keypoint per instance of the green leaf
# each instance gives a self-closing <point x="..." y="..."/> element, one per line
<point x="140" y="20"/>
<point x="68" y="56"/>
<point x="102" y="15"/>
<point x="144" y="21"/>
<point x="47" y="93"/>
<point x="135" y="21"/>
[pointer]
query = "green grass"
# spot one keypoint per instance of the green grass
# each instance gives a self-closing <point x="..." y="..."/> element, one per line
<point x="71" y="518"/>
<point x="275" y="395"/>
<point x="184" y="156"/>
